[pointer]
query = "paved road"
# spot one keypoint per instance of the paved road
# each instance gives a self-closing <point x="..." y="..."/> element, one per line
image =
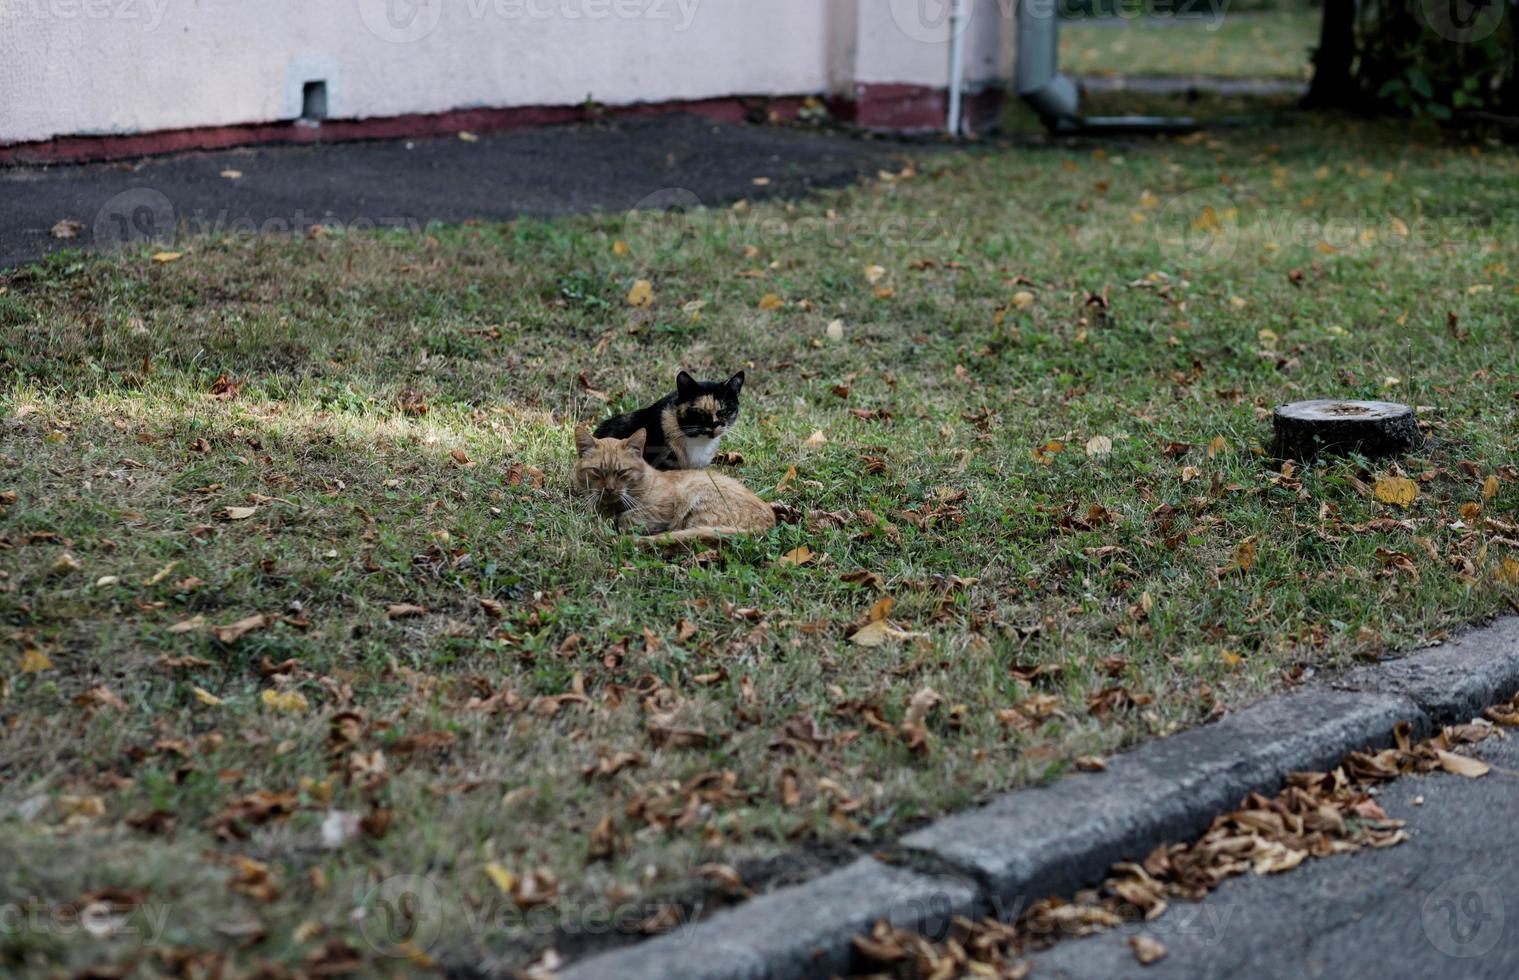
<point x="662" y="161"/>
<point x="1444" y="906"/>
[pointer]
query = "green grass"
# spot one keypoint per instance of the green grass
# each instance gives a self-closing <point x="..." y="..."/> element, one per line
<point x="1264" y="44"/>
<point x="1025" y="297"/>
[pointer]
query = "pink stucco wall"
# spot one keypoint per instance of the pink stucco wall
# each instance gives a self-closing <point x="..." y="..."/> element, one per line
<point x="73" y="67"/>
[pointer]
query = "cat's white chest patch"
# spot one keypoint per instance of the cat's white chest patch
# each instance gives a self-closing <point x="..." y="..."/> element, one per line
<point x="700" y="452"/>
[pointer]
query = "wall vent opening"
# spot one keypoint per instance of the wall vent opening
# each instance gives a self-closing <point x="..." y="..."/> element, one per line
<point x="314" y="101"/>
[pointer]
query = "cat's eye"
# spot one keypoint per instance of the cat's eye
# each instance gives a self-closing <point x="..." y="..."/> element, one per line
<point x="622" y="474"/>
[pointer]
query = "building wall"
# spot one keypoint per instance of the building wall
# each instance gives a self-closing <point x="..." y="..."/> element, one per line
<point x="85" y="67"/>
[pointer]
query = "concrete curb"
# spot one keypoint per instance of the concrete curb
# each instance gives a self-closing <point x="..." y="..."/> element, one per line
<point x="1028" y="844"/>
<point x="1053" y="840"/>
<point x="1454" y="681"/>
<point x="804" y="931"/>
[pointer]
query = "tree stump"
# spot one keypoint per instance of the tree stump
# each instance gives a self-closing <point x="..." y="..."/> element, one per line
<point x="1305" y="430"/>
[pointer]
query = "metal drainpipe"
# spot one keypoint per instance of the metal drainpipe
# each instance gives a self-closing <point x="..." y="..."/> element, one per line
<point x="1054" y="96"/>
<point x="958" y="27"/>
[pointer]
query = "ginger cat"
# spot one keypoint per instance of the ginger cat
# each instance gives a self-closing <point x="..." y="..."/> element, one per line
<point x="664" y="505"/>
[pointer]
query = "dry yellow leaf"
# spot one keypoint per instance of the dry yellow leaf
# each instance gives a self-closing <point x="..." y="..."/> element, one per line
<point x="293" y="702"/>
<point x="404" y="610"/>
<point x="167" y="256"/>
<point x="642" y="293"/>
<point x="64" y="564"/>
<point x="82" y="806"/>
<point x="771" y="301"/>
<point x="1045" y="455"/>
<point x="239" y="513"/>
<point x="1508" y="571"/>
<point x="1218" y="445"/>
<point x="1463" y="765"/>
<point x="207" y="698"/>
<point x="1023" y="298"/>
<point x="161" y="574"/>
<point x="186" y="625"/>
<point x="619" y="247"/>
<point x="1397" y="490"/>
<point x="881" y="609"/>
<point x="874" y="274"/>
<point x="816" y="439"/>
<point x="1099" y="446"/>
<point x="873" y="634"/>
<point x="34" y="661"/>
<point x="233" y="631"/>
<point x="1244" y="555"/>
<point x="796" y="556"/>
<point x="504" y="880"/>
<point x="1490" y="488"/>
<point x="1147" y="950"/>
<point x="920" y="705"/>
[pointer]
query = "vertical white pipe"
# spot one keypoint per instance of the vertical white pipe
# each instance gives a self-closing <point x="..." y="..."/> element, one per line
<point x="958" y="30"/>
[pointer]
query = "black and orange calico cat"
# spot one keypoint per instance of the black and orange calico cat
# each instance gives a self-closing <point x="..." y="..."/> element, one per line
<point x="685" y="426"/>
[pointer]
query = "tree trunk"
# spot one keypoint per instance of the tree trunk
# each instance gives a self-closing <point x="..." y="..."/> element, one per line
<point x="1304" y="430"/>
<point x="1332" y="86"/>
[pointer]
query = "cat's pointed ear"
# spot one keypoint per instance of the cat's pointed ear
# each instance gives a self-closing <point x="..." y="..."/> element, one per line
<point x="685" y="385"/>
<point x="736" y="383"/>
<point x="636" y="441"/>
<point x="584" y="441"/>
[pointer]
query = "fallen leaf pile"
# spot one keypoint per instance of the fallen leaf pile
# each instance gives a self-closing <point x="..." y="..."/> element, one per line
<point x="1316" y="815"/>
